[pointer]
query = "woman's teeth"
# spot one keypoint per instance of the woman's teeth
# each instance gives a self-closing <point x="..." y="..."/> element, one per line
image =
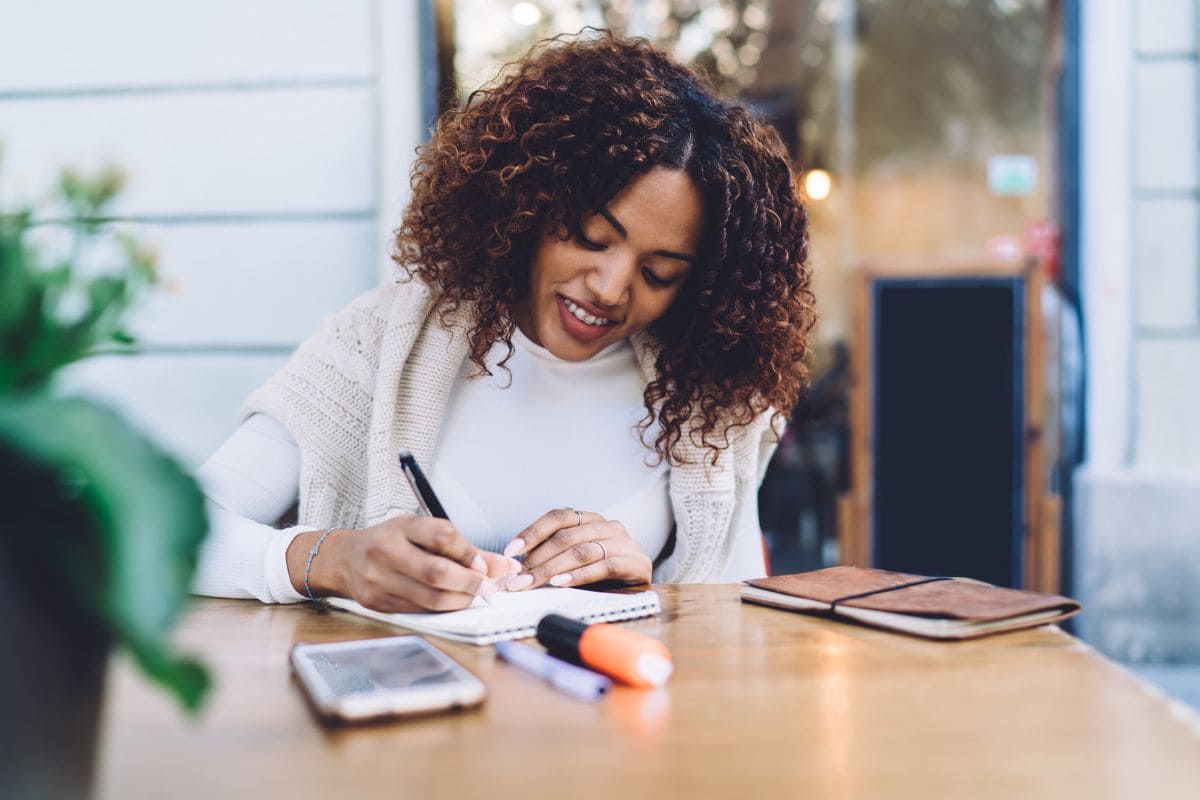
<point x="584" y="316"/>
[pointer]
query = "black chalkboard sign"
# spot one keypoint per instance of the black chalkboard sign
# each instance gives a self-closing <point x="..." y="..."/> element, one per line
<point x="948" y="420"/>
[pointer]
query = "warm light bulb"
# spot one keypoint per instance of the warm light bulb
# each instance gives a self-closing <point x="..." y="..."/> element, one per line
<point x="526" y="14"/>
<point x="817" y="184"/>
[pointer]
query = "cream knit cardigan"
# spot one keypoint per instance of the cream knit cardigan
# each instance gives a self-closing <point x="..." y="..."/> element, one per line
<point x="377" y="377"/>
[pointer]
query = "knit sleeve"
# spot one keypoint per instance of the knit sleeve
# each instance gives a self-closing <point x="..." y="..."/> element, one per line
<point x="752" y="452"/>
<point x="323" y="397"/>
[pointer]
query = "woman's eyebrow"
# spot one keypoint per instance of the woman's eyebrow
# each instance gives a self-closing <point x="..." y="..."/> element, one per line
<point x="624" y="234"/>
<point x="617" y="226"/>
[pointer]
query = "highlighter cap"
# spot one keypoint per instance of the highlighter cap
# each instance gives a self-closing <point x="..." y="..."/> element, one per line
<point x="560" y="635"/>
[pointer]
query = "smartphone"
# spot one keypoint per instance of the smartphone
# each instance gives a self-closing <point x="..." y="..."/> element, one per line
<point x="372" y="678"/>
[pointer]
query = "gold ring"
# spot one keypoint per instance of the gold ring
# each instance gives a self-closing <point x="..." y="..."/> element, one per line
<point x="579" y="514"/>
<point x="603" y="549"/>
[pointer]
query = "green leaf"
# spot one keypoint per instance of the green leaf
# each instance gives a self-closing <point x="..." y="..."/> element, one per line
<point x="99" y="518"/>
<point x="148" y="517"/>
<point x="185" y="676"/>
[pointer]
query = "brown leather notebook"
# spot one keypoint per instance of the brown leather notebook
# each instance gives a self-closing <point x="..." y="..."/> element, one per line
<point x="936" y="608"/>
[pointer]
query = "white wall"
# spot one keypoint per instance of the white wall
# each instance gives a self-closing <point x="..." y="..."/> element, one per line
<point x="266" y="145"/>
<point x="1138" y="496"/>
<point x="1166" y="183"/>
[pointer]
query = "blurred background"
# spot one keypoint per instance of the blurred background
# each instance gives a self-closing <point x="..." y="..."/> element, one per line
<point x="1003" y="199"/>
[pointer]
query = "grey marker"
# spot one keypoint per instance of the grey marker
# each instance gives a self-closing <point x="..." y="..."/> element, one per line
<point x="576" y="681"/>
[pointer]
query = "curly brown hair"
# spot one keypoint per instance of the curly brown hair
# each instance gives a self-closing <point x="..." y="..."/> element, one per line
<point x="556" y="136"/>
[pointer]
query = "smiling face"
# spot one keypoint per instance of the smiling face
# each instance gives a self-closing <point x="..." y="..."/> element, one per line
<point x="621" y="275"/>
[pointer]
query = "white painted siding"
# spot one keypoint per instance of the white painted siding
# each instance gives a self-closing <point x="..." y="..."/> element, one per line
<point x="1165" y="26"/>
<point x="1141" y="226"/>
<point x="1137" y="544"/>
<point x="266" y="147"/>
<point x="188" y="400"/>
<point x="1165" y="264"/>
<point x="1168" y="279"/>
<point x="263" y="151"/>
<point x="1165" y="142"/>
<point x="266" y="284"/>
<point x="73" y="46"/>
<point x="1168" y="394"/>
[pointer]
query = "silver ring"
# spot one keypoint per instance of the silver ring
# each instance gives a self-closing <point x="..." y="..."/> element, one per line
<point x="603" y="549"/>
<point x="579" y="514"/>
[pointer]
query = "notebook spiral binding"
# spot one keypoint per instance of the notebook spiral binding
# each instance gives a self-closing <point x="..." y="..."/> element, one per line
<point x="651" y="605"/>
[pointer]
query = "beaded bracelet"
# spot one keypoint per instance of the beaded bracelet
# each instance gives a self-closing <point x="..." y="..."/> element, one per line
<point x="307" y="567"/>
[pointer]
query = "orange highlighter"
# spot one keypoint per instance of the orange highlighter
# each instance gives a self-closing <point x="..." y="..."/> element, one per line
<point x="627" y="656"/>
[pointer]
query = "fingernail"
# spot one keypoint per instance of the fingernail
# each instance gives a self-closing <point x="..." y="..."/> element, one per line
<point x="488" y="588"/>
<point x="514" y="566"/>
<point x="561" y="580"/>
<point x="518" y="582"/>
<point x="514" y="547"/>
<point x="478" y="564"/>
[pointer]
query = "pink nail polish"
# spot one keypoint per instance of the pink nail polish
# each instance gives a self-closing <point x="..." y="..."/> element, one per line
<point x="478" y="564"/>
<point x="518" y="582"/>
<point x="488" y="588"/>
<point x="514" y="547"/>
<point x="514" y="566"/>
<point x="561" y="580"/>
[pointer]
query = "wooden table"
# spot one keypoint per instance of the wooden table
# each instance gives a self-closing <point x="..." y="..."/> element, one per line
<point x="763" y="704"/>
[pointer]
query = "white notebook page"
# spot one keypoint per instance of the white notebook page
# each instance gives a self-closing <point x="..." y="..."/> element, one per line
<point x="515" y="615"/>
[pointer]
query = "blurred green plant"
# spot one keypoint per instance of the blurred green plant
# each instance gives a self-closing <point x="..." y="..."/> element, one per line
<point x="98" y="521"/>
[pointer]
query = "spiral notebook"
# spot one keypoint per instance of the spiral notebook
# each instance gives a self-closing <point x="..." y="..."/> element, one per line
<point x="515" y="615"/>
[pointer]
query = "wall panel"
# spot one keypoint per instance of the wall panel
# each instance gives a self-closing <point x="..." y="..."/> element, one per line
<point x="68" y="45"/>
<point x="259" y="285"/>
<point x="186" y="402"/>
<point x="293" y="151"/>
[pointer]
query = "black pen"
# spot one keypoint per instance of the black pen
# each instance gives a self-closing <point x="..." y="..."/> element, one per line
<point x="423" y="490"/>
<point x="421" y="486"/>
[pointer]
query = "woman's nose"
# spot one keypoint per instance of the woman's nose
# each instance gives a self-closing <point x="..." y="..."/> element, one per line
<point x="610" y="278"/>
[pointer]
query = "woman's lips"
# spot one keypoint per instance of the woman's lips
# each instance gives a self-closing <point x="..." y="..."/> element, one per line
<point x="588" y="307"/>
<point x="577" y="328"/>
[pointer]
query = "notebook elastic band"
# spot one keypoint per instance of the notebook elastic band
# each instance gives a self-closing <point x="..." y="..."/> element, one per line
<point x="833" y="606"/>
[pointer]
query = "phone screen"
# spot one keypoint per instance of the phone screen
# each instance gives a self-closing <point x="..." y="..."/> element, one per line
<point x="390" y="665"/>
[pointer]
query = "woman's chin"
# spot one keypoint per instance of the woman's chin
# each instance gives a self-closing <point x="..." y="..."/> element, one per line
<point x="570" y="349"/>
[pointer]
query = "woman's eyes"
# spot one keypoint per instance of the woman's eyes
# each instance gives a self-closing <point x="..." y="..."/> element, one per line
<point x="647" y="273"/>
<point x="589" y="244"/>
<point x="654" y="280"/>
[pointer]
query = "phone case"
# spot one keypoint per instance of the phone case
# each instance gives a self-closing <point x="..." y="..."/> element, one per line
<point x="464" y="693"/>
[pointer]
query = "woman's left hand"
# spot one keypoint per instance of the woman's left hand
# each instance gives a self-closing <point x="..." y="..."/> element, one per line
<point x="565" y="547"/>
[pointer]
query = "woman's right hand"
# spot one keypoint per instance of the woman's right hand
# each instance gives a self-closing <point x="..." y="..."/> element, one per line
<point x="406" y="563"/>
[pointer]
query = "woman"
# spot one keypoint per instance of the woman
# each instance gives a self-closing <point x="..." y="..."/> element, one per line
<point x="602" y="312"/>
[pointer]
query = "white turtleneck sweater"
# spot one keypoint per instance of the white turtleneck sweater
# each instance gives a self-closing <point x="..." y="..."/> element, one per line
<point x="559" y="433"/>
